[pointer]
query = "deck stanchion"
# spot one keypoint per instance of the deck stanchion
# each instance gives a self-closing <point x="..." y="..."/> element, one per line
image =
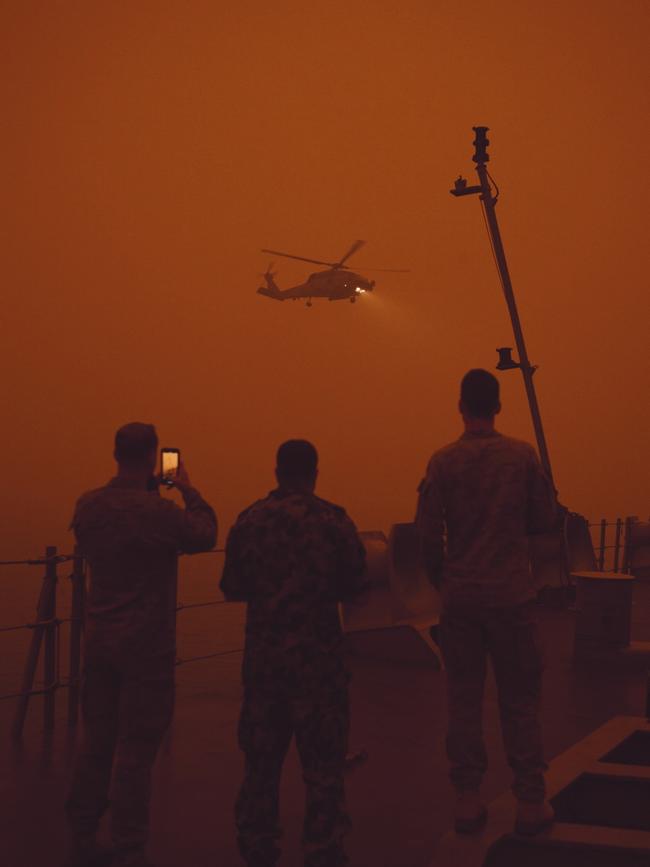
<point x="629" y="521"/>
<point x="78" y="606"/>
<point x="49" y="657"/>
<point x="617" y="543"/>
<point x="42" y="613"/>
<point x="603" y="537"/>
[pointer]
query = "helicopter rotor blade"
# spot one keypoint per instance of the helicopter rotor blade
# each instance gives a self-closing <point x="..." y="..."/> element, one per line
<point x="300" y="258"/>
<point x="340" y="265"/>
<point x="353" y="249"/>
<point x="387" y="270"/>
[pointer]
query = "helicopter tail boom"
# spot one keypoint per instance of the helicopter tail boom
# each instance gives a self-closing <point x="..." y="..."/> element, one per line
<point x="271" y="293"/>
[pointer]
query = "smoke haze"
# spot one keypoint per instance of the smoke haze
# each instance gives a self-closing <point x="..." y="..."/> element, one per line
<point x="151" y="149"/>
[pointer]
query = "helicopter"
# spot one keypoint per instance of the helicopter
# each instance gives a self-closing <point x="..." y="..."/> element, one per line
<point x="337" y="283"/>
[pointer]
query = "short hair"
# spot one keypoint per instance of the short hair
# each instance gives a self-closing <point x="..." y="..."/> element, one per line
<point x="479" y="393"/>
<point x="134" y="442"/>
<point x="296" y="459"/>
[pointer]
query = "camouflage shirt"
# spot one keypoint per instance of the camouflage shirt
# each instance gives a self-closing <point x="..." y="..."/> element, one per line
<point x="131" y="538"/>
<point x="489" y="492"/>
<point x="293" y="557"/>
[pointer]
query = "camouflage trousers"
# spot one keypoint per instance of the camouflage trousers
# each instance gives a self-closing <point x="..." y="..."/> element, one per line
<point x="468" y="635"/>
<point x="320" y="723"/>
<point x="126" y="710"/>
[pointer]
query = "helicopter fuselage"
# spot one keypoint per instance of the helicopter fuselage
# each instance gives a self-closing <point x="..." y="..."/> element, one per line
<point x="337" y="283"/>
<point x="334" y="285"/>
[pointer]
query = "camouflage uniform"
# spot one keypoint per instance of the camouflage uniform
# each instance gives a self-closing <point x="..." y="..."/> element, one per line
<point x="488" y="492"/>
<point x="131" y="538"/>
<point x="292" y="557"/>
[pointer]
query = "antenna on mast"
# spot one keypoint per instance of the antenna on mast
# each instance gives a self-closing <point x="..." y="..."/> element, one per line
<point x="506" y="362"/>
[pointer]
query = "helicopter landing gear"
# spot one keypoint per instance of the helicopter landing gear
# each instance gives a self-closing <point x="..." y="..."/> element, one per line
<point x="352" y="300"/>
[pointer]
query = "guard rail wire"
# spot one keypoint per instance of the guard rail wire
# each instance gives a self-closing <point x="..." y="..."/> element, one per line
<point x="46" y="627"/>
<point x="46" y="634"/>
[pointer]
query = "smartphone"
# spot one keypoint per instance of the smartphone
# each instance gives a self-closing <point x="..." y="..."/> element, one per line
<point x="169" y="461"/>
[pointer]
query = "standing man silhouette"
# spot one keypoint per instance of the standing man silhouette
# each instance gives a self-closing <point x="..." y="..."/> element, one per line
<point x="292" y="557"/>
<point x="488" y="492"/>
<point x="130" y="537"/>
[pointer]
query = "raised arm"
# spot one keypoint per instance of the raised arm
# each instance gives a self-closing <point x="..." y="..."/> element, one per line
<point x="196" y="525"/>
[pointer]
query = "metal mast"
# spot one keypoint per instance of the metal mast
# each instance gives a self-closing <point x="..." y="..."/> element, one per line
<point x="506" y="362"/>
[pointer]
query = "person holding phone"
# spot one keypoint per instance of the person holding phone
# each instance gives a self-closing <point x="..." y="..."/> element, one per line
<point x="130" y="537"/>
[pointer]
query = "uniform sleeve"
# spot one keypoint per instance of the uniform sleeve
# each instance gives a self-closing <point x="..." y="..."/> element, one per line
<point x="77" y="523"/>
<point x="195" y="526"/>
<point x="235" y="584"/>
<point x="429" y="520"/>
<point x="74" y="520"/>
<point x="542" y="509"/>
<point x="351" y="561"/>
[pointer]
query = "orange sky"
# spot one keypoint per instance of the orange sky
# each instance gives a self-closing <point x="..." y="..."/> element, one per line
<point x="151" y="148"/>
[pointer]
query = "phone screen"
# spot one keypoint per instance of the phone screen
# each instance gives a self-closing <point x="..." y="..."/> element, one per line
<point x="169" y="460"/>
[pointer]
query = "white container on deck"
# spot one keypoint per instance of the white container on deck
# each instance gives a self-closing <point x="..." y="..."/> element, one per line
<point x="603" y="612"/>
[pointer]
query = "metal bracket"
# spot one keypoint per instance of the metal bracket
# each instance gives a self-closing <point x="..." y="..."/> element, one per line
<point x="461" y="188"/>
<point x="506" y="361"/>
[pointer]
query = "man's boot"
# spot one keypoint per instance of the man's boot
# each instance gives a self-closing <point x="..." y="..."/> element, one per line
<point x="470" y="815"/>
<point x="532" y="818"/>
<point x="85" y="851"/>
<point x="131" y="858"/>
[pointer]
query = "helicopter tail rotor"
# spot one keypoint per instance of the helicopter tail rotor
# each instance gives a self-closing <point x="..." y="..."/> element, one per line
<point x="269" y="271"/>
<point x="271" y="289"/>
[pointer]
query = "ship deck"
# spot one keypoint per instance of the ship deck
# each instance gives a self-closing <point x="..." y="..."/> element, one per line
<point x="400" y="800"/>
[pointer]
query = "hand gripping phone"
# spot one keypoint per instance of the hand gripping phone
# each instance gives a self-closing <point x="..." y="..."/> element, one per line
<point x="169" y="462"/>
